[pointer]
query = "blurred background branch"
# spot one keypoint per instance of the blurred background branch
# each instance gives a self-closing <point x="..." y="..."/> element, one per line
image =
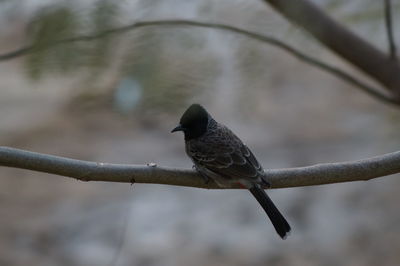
<point x="377" y="93"/>
<point x="292" y="177"/>
<point x="389" y="29"/>
<point x="342" y="41"/>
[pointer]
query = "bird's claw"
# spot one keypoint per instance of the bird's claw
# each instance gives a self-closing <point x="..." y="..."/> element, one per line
<point x="205" y="177"/>
<point x="266" y="184"/>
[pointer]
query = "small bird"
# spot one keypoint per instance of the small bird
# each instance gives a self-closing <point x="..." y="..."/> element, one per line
<point x="218" y="154"/>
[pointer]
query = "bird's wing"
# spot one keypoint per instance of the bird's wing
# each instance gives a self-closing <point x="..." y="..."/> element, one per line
<point x="226" y="155"/>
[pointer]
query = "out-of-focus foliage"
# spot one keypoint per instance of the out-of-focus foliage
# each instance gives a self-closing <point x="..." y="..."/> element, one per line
<point x="63" y="22"/>
<point x="171" y="64"/>
<point x="102" y="17"/>
<point x="168" y="64"/>
<point x="170" y="71"/>
<point x="49" y="26"/>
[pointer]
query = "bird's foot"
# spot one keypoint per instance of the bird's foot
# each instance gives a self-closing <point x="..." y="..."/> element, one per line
<point x="266" y="183"/>
<point x="205" y="177"/>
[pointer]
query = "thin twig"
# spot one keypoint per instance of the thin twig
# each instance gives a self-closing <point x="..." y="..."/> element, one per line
<point x="389" y="29"/>
<point x="328" y="173"/>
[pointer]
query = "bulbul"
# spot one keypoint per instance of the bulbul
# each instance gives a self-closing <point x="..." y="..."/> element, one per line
<point x="218" y="154"/>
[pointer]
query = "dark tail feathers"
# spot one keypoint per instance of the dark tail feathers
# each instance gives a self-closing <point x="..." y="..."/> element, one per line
<point x="278" y="221"/>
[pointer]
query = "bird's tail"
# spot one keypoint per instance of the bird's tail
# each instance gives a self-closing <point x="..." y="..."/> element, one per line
<point x="282" y="227"/>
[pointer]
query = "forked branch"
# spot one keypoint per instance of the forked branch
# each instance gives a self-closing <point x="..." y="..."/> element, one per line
<point x="341" y="40"/>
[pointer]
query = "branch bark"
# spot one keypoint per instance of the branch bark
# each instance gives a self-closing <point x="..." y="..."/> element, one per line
<point x="319" y="174"/>
<point x="386" y="97"/>
<point x="342" y="41"/>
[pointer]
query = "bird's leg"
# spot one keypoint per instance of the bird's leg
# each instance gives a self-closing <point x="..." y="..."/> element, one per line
<point x="204" y="176"/>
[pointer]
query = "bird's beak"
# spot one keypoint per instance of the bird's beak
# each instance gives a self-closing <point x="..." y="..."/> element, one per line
<point x="178" y="128"/>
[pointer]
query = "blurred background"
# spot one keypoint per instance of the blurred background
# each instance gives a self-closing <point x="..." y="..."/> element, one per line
<point x="115" y="99"/>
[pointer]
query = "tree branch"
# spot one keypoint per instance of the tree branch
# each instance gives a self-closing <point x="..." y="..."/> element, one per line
<point x="389" y="29"/>
<point x="342" y="41"/>
<point x="262" y="38"/>
<point x="280" y="178"/>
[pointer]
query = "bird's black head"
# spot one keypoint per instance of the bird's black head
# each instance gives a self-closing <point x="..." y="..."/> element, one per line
<point x="193" y="122"/>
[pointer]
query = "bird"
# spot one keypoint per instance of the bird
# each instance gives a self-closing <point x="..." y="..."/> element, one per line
<point x="218" y="154"/>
